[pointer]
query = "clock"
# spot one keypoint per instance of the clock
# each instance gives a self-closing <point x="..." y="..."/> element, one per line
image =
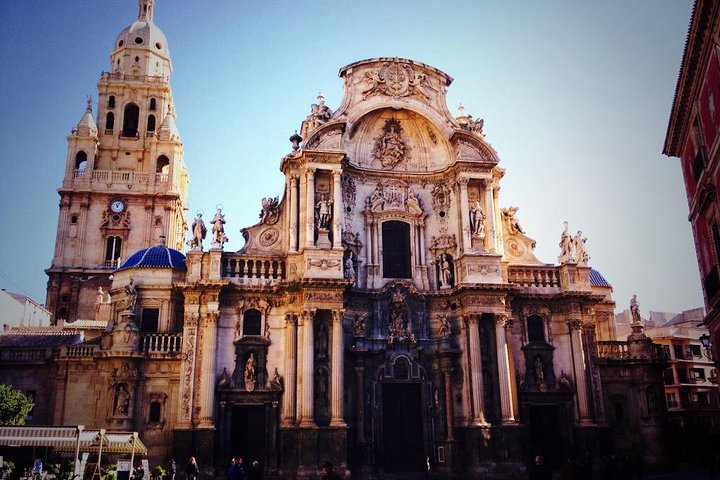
<point x="117" y="206"/>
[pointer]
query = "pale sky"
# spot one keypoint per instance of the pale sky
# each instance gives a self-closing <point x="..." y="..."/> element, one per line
<point x="575" y="95"/>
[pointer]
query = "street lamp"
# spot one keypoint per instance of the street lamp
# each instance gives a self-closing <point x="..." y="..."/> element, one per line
<point x="707" y="351"/>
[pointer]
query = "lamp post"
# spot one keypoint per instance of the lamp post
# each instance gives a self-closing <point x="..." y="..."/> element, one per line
<point x="707" y="351"/>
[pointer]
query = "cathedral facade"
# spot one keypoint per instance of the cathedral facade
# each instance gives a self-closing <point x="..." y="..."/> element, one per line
<point x="386" y="313"/>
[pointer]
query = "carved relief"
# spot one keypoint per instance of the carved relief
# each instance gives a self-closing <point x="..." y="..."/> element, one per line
<point x="394" y="196"/>
<point x="189" y="357"/>
<point x="269" y="237"/>
<point x="399" y="327"/>
<point x="510" y="221"/>
<point x="390" y="148"/>
<point x="395" y="80"/>
<point x="441" y="197"/>
<point x="483" y="269"/>
<point x="324" y="263"/>
<point x="115" y="220"/>
<point x="359" y="325"/>
<point x="349" y="191"/>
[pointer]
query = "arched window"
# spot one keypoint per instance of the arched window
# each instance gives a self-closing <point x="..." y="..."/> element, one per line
<point x="251" y="322"/>
<point x="153" y="104"/>
<point x="110" y="121"/>
<point x="162" y="165"/>
<point x="401" y="369"/>
<point x="130" y="120"/>
<point x="111" y="101"/>
<point x="74" y="219"/>
<point x="396" y="249"/>
<point x="536" y="329"/>
<point x="151" y="123"/>
<point x="113" y="245"/>
<point x="155" y="412"/>
<point x="80" y="164"/>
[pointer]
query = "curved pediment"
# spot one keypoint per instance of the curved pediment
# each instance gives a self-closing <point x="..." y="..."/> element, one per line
<point x="470" y="147"/>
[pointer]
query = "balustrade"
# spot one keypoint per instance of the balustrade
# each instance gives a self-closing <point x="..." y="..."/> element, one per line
<point x="611" y="350"/>
<point x="253" y="268"/>
<point x="162" y="342"/>
<point x="534" y="276"/>
<point x="80" y="351"/>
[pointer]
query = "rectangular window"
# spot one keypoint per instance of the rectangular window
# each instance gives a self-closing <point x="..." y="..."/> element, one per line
<point x="697" y="373"/>
<point x="682" y="375"/>
<point x="679" y="352"/>
<point x="668" y="376"/>
<point x="672" y="401"/>
<point x="693" y="350"/>
<point x="150" y="317"/>
<point x="701" y="398"/>
<point x="112" y="251"/>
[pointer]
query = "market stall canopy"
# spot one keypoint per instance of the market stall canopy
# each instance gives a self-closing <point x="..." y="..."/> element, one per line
<point x="67" y="439"/>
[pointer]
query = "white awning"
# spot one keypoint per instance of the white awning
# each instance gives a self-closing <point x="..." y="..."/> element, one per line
<point x="67" y="439"/>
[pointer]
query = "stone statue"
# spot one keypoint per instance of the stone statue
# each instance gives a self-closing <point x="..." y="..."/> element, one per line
<point x="581" y="255"/>
<point x="277" y="381"/>
<point x="130" y="295"/>
<point x="539" y="373"/>
<point x="319" y="112"/>
<point x="359" y="326"/>
<point x="249" y="374"/>
<point x="445" y="276"/>
<point x="349" y="267"/>
<point x="511" y="222"/>
<point x="444" y="331"/>
<point x="413" y="203"/>
<point x="100" y="296"/>
<point x="224" y="379"/>
<point x="635" y="310"/>
<point x="390" y="149"/>
<point x="218" y="229"/>
<point x="477" y="220"/>
<point x="566" y="245"/>
<point x="122" y="401"/>
<point x="199" y="231"/>
<point x="270" y="212"/>
<point x="377" y="199"/>
<point x="323" y="212"/>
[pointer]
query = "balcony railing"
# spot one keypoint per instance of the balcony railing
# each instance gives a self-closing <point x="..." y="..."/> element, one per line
<point x="135" y="78"/>
<point x="539" y="277"/>
<point x="161" y="343"/>
<point x="122" y="177"/>
<point x="613" y="350"/>
<point x="253" y="270"/>
<point x="24" y="356"/>
<point x="79" y="351"/>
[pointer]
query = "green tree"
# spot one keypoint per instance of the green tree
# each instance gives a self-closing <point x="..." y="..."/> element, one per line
<point x="14" y="406"/>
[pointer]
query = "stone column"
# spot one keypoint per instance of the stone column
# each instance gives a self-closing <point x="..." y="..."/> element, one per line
<point x="292" y="213"/>
<point x="307" y="414"/>
<point x="359" y="402"/>
<point x="422" y="244"/>
<point x="498" y="220"/>
<point x="490" y="216"/>
<point x="464" y="215"/>
<point x="188" y="366"/>
<point x="575" y="328"/>
<point x="449" y="410"/>
<point x="503" y="355"/>
<point x="368" y="243"/>
<point x="289" y="395"/>
<point x="478" y="402"/>
<point x="337" y="372"/>
<point x="207" y="358"/>
<point x="337" y="210"/>
<point x="309" y="213"/>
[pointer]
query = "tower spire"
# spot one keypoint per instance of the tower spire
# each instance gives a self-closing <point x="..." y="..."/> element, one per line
<point x="146" y="10"/>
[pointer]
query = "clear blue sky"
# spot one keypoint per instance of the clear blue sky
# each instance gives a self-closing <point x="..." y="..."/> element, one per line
<point x="575" y="95"/>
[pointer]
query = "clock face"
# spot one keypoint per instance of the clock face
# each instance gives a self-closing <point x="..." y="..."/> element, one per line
<point x="117" y="206"/>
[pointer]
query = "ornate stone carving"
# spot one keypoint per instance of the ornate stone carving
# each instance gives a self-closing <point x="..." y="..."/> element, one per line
<point x="218" y="229"/>
<point x="270" y="212"/>
<point x="269" y="236"/>
<point x="324" y="263"/>
<point x="319" y="113"/>
<point x="396" y="80"/>
<point x="188" y="357"/>
<point x="390" y="148"/>
<point x="249" y="374"/>
<point x="115" y="220"/>
<point x="359" y="325"/>
<point x="443" y="242"/>
<point x="483" y="269"/>
<point x="441" y="197"/>
<point x="445" y="329"/>
<point x="399" y="328"/>
<point x="349" y="191"/>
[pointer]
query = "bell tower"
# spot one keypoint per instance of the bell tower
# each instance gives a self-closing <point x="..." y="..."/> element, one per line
<point x="125" y="184"/>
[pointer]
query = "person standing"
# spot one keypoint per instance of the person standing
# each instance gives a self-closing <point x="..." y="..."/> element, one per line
<point x="539" y="469"/>
<point x="192" y="471"/>
<point x="172" y="469"/>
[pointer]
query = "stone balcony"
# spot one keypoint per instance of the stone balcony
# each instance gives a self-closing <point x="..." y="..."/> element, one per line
<point x="106" y="76"/>
<point x="253" y="270"/>
<point x="119" y="180"/>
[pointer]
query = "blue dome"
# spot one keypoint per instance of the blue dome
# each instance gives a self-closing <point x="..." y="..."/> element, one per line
<point x="159" y="256"/>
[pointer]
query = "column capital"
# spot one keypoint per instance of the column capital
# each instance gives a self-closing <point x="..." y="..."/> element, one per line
<point x="291" y="319"/>
<point x="337" y="315"/>
<point x="463" y="181"/>
<point x="310" y="171"/>
<point x="504" y="320"/>
<point x="574" y="324"/>
<point x="307" y="314"/>
<point x="471" y="319"/>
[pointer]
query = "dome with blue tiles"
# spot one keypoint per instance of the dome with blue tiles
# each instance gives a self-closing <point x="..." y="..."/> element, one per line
<point x="159" y="256"/>
<point x="597" y="280"/>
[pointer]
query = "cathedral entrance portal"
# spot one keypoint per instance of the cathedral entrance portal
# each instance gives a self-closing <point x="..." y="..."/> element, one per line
<point x="402" y="429"/>
<point x="545" y="434"/>
<point x="247" y="433"/>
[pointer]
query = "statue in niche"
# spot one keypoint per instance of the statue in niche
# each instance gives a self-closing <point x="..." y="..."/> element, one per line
<point x="198" y="231"/>
<point x="121" y="405"/>
<point x="399" y="327"/>
<point x="130" y="295"/>
<point x="277" y="381"/>
<point x="323" y="213"/>
<point x="359" y="326"/>
<point x="581" y="255"/>
<point x="218" y="228"/>
<point x="249" y="374"/>
<point x="321" y="341"/>
<point x="566" y="245"/>
<point x="349" y="265"/>
<point x="445" y="270"/>
<point x="444" y="331"/>
<point x="390" y="149"/>
<point x="270" y="212"/>
<point x="477" y="220"/>
<point x="511" y="222"/>
<point x="538" y="368"/>
<point x="321" y="384"/>
<point x="224" y="379"/>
